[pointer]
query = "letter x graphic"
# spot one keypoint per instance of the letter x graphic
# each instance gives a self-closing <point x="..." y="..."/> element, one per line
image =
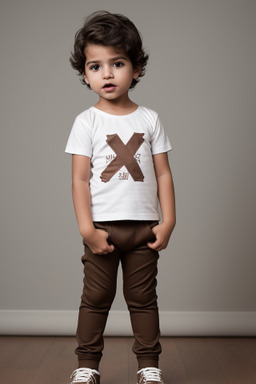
<point x="124" y="157"/>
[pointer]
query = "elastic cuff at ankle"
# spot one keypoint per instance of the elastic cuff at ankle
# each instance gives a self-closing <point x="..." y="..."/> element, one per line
<point x="92" y="364"/>
<point x="147" y="363"/>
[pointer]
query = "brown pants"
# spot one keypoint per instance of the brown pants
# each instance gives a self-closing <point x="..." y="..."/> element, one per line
<point x="139" y="265"/>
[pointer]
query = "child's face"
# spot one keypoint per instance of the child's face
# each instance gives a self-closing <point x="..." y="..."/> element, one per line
<point x="108" y="72"/>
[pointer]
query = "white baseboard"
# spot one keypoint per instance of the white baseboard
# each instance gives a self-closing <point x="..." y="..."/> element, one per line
<point x="63" y="323"/>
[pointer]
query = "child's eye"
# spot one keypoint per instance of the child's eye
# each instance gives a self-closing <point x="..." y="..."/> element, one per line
<point x="95" y="67"/>
<point x="118" y="64"/>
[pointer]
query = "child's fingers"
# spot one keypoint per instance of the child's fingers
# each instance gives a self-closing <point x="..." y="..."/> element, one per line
<point x="156" y="245"/>
<point x="110" y="248"/>
<point x="105" y="249"/>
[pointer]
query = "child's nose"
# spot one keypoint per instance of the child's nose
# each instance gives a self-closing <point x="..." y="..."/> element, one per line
<point x="107" y="73"/>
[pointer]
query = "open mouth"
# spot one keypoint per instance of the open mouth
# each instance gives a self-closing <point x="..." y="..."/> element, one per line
<point x="109" y="86"/>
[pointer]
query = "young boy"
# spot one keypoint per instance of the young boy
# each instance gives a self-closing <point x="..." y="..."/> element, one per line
<point x="119" y="171"/>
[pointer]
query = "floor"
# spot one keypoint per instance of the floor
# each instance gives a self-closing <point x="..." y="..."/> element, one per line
<point x="197" y="360"/>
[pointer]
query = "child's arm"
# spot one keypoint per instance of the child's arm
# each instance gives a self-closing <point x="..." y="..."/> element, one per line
<point x="96" y="239"/>
<point x="167" y="202"/>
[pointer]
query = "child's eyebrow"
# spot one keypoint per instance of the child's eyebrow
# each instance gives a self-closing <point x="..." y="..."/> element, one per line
<point x="112" y="59"/>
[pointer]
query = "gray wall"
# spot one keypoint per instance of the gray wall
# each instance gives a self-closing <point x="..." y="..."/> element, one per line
<point x="201" y="79"/>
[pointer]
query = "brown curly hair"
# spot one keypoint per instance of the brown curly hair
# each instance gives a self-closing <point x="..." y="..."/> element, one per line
<point x="108" y="29"/>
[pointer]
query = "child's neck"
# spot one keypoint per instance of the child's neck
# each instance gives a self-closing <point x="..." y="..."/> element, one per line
<point x="116" y="107"/>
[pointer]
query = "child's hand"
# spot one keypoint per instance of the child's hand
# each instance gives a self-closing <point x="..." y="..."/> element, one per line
<point x="97" y="242"/>
<point x="162" y="233"/>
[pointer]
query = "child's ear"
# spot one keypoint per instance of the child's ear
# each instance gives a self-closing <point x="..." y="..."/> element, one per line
<point x="85" y="79"/>
<point x="136" y="73"/>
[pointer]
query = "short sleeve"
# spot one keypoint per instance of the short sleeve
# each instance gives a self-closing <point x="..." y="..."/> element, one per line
<point x="79" y="141"/>
<point x="160" y="142"/>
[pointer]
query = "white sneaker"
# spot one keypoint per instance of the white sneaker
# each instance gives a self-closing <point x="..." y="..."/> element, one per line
<point x="86" y="376"/>
<point x="150" y="375"/>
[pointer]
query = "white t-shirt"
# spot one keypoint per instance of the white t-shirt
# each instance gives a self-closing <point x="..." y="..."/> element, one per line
<point x="122" y="183"/>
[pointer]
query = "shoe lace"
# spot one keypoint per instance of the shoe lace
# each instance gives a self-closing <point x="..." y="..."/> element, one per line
<point x="150" y="374"/>
<point x="87" y="375"/>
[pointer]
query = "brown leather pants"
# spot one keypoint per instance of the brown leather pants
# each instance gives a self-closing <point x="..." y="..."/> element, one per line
<point x="139" y="265"/>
